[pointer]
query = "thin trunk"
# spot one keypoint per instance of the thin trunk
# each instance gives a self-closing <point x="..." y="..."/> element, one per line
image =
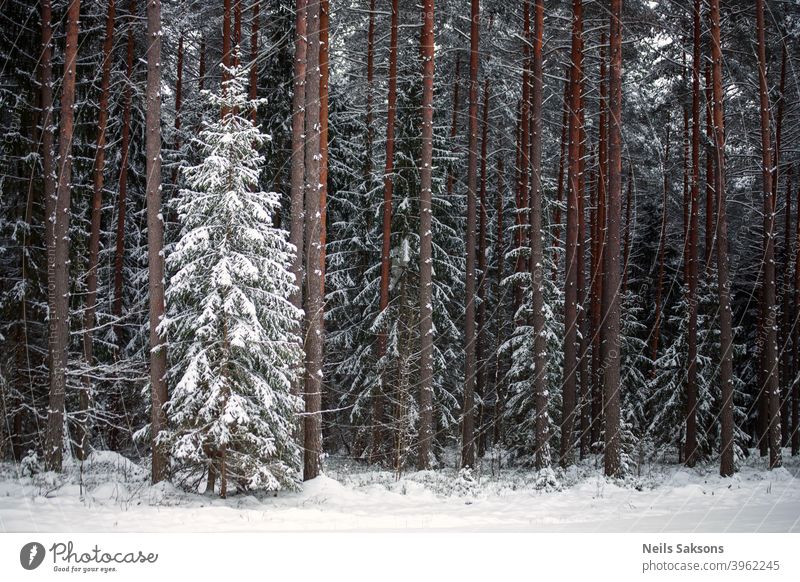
<point x="48" y="171"/>
<point x="499" y="253"/>
<point x="726" y="337"/>
<point x="710" y="155"/>
<point x="480" y="348"/>
<point x="155" y="236"/>
<point x="297" y="173"/>
<point x="787" y="316"/>
<point x="694" y="220"/>
<point x="468" y="420"/>
<point x="560" y="183"/>
<point x="611" y="302"/>
<point x="122" y="198"/>
<point x="582" y="378"/>
<point x="426" y="241"/>
<point x="571" y="279"/>
<point x="597" y="275"/>
<point x="378" y="405"/>
<point x="58" y="251"/>
<point x="542" y="436"/>
<point x="324" y="76"/>
<point x="313" y="247"/>
<point x="94" y="235"/>
<point x="769" y="307"/>
<point x="524" y="156"/>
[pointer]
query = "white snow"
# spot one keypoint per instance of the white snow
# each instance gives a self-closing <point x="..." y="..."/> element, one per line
<point x="115" y="496"/>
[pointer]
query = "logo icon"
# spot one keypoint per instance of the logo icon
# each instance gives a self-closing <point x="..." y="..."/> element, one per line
<point x="31" y="555"/>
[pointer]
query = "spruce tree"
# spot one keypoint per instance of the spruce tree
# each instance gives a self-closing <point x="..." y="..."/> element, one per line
<point x="233" y="330"/>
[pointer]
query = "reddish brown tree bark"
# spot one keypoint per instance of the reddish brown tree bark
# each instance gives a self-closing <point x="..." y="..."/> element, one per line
<point x="378" y="412"/>
<point x="769" y="307"/>
<point x="691" y="452"/>
<point x="524" y="156"/>
<point x="726" y="337"/>
<point x="560" y="180"/>
<point x="710" y="155"/>
<point x="480" y="348"/>
<point x="542" y="436"/>
<point x="571" y="279"/>
<point x="297" y="172"/>
<point x="155" y="236"/>
<point x="426" y="241"/>
<point x="313" y="246"/>
<point x="597" y="273"/>
<point x="58" y="261"/>
<point x="468" y="412"/>
<point x="611" y="256"/>
<point x="94" y="233"/>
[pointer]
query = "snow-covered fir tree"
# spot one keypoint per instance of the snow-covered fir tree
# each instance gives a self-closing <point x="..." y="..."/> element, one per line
<point x="234" y="335"/>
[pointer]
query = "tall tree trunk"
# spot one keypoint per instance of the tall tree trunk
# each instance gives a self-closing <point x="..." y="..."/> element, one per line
<point x="542" y="436"/>
<point x="313" y="246"/>
<point x="691" y="374"/>
<point x="468" y="420"/>
<point x="499" y="393"/>
<point x="58" y="261"/>
<point x="571" y="279"/>
<point x="769" y="308"/>
<point x="726" y="336"/>
<point x="522" y="217"/>
<point x="710" y="155"/>
<point x="597" y="274"/>
<point x="787" y="317"/>
<point x="297" y="172"/>
<point x="378" y="404"/>
<point x="49" y="179"/>
<point x="480" y="348"/>
<point x="155" y="236"/>
<point x="94" y="236"/>
<point x="560" y="179"/>
<point x="426" y="237"/>
<point x="785" y="373"/>
<point x="122" y="199"/>
<point x="611" y="343"/>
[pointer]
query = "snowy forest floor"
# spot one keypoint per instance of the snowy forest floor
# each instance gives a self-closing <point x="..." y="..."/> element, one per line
<point x="112" y="494"/>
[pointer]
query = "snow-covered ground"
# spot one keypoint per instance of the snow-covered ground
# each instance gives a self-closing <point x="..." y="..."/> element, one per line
<point x="115" y="496"/>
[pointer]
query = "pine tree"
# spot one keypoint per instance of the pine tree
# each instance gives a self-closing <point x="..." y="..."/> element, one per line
<point x="233" y="329"/>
